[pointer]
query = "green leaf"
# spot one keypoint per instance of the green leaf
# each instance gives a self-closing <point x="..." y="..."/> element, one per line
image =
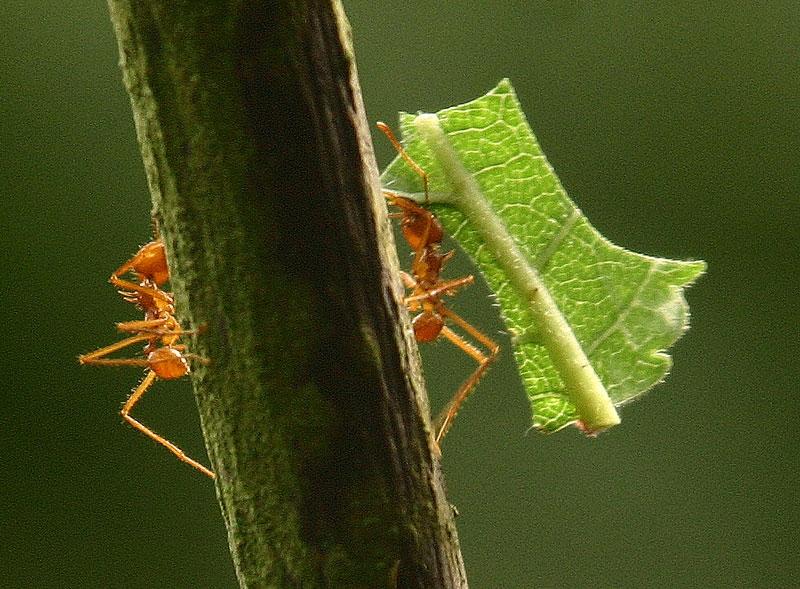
<point x="590" y="321"/>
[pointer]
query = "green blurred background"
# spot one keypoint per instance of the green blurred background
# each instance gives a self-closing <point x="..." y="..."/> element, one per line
<point x="674" y="128"/>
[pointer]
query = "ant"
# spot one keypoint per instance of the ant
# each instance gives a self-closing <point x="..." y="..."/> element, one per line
<point x="424" y="234"/>
<point x="164" y="357"/>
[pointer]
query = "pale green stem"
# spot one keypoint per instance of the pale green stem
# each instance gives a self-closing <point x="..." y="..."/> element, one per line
<point x="582" y="383"/>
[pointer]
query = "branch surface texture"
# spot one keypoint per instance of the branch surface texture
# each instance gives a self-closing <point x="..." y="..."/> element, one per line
<point x="260" y="164"/>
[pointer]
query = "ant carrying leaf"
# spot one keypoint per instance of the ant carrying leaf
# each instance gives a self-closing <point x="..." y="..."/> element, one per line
<point x="424" y="234"/>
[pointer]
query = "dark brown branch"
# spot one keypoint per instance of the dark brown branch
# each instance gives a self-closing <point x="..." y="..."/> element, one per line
<point x="260" y="164"/>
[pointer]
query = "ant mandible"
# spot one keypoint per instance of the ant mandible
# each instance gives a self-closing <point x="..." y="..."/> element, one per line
<point x="164" y="357"/>
<point x="424" y="234"/>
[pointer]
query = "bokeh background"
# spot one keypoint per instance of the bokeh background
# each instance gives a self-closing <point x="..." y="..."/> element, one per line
<point x="674" y="127"/>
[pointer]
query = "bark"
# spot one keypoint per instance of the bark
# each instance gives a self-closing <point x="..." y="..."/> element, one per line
<point x="260" y="165"/>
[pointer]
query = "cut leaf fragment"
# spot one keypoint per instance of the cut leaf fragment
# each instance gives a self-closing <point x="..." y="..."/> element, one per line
<point x="590" y="321"/>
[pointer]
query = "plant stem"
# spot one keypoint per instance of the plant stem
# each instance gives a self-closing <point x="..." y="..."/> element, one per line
<point x="586" y="391"/>
<point x="260" y="165"/>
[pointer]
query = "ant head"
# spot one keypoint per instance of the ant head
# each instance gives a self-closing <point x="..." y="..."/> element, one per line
<point x="401" y="202"/>
<point x="420" y="227"/>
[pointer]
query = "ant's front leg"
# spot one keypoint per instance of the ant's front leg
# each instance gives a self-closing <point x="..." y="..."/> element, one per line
<point x="151" y="291"/>
<point x="143" y="326"/>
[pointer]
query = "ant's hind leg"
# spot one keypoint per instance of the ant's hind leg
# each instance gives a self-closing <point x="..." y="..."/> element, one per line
<point x="445" y="418"/>
<point x="490" y="344"/>
<point x="98" y="356"/>
<point x="136" y="395"/>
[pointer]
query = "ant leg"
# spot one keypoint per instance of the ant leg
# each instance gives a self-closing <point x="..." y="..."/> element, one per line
<point x="196" y="358"/>
<point x="408" y="280"/>
<point x="97" y="357"/>
<point x="152" y="291"/>
<point x="182" y="348"/>
<point x="411" y="283"/>
<point x="147" y="325"/>
<point x="136" y="395"/>
<point x="386" y="130"/>
<point x="118" y="362"/>
<point x="490" y="344"/>
<point x="445" y="418"/>
<point x="153" y="327"/>
<point x="469" y="349"/>
<point x="441" y="287"/>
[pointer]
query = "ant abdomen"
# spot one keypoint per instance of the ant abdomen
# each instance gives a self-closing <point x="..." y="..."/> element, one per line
<point x="427" y="326"/>
<point x="168" y="363"/>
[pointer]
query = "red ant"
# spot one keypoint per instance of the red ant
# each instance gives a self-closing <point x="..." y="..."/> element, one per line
<point x="164" y="357"/>
<point x="424" y="233"/>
